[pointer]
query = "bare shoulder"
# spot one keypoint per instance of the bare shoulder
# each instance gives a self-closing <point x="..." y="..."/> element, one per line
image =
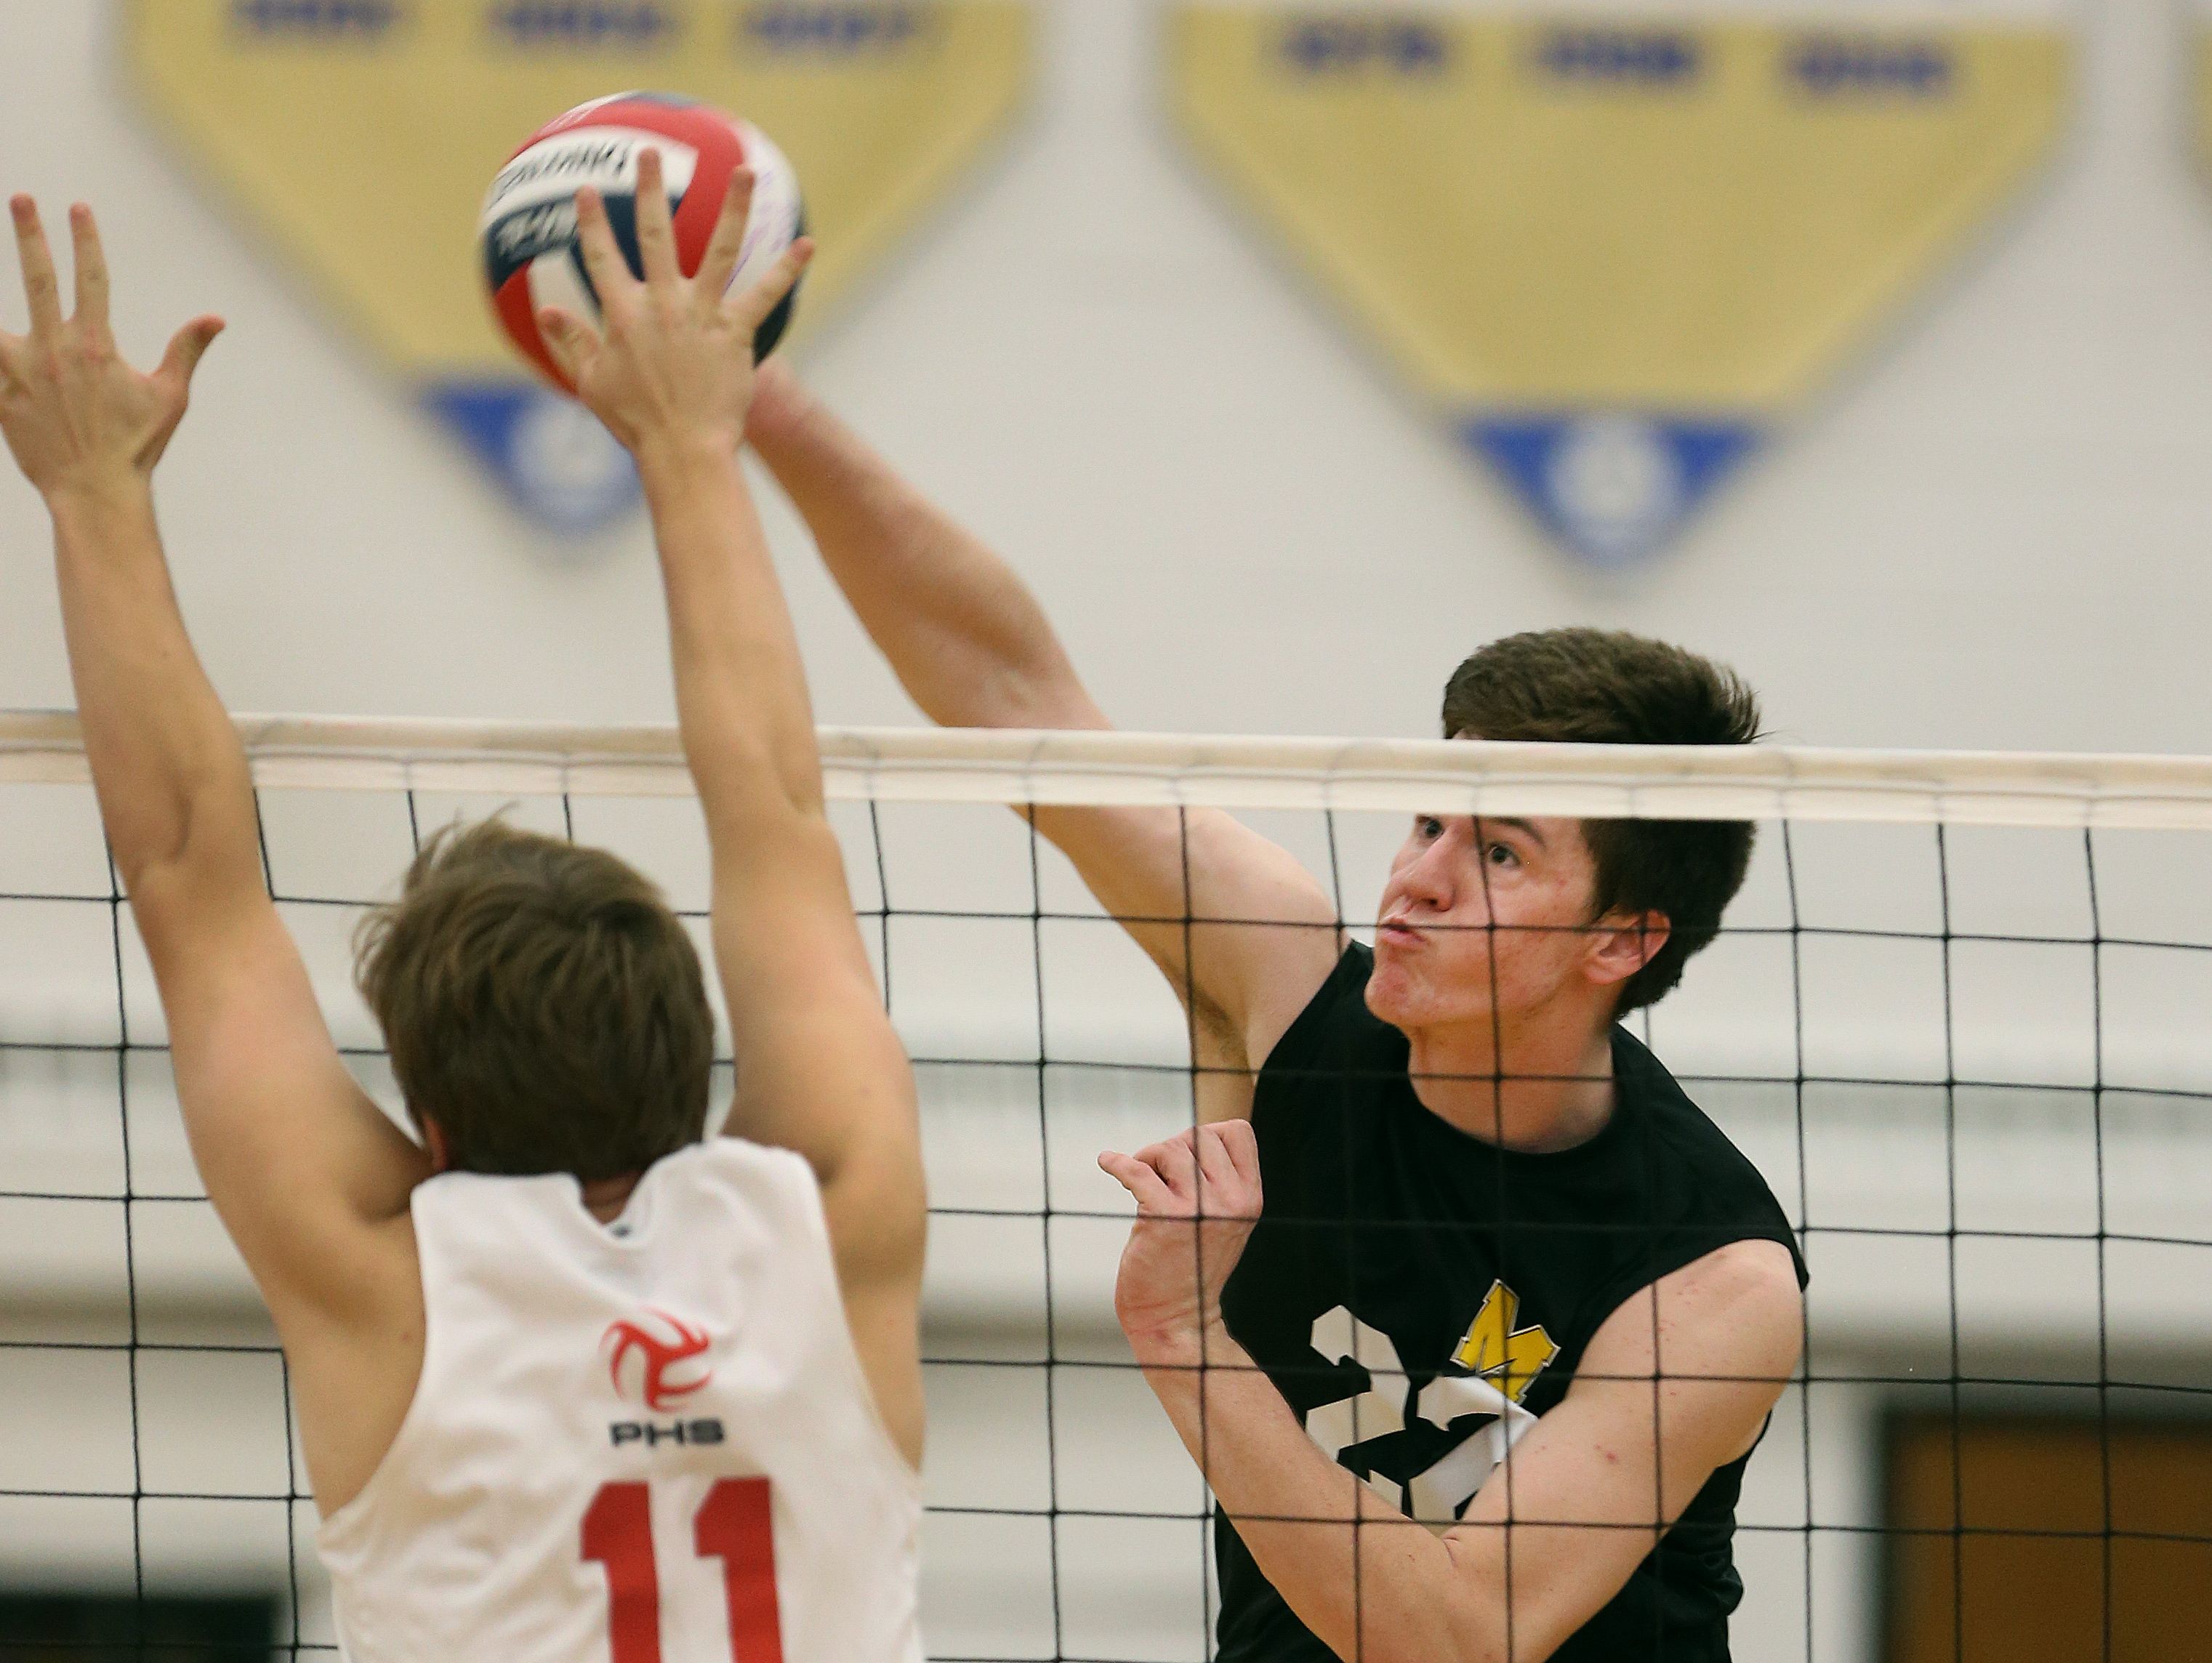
<point x="1752" y="1282"/>
<point x="1264" y="933"/>
<point x="1738" y="1305"/>
<point x="1699" y="1359"/>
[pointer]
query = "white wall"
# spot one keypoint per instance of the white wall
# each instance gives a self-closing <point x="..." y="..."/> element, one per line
<point x="1994" y="536"/>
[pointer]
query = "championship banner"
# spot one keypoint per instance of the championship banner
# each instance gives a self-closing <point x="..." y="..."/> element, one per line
<point x="1616" y="255"/>
<point x="360" y="136"/>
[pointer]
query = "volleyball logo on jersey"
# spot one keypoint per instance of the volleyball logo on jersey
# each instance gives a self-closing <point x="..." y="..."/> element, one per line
<point x="1429" y="1452"/>
<point x="656" y="1359"/>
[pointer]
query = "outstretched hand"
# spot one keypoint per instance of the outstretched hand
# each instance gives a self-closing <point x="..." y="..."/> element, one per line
<point x="673" y="361"/>
<point x="78" y="417"/>
<point x="1197" y="1197"/>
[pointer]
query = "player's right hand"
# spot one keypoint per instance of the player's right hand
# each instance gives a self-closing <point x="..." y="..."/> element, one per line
<point x="78" y="417"/>
<point x="1198" y="1196"/>
<point x="671" y="367"/>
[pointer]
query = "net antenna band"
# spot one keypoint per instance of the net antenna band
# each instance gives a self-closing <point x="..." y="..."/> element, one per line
<point x="1025" y="766"/>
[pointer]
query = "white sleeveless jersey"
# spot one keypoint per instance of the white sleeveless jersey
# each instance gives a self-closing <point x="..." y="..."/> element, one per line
<point x="643" y="1442"/>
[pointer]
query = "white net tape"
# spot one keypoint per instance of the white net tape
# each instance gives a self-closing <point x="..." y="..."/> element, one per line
<point x="1683" y="782"/>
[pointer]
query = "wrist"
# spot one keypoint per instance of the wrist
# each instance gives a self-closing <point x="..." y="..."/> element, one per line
<point x="98" y="492"/>
<point x="683" y="456"/>
<point x="1183" y="1344"/>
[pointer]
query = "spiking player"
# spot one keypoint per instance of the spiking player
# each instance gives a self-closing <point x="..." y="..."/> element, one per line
<point x="573" y="1386"/>
<point x="1473" y="1179"/>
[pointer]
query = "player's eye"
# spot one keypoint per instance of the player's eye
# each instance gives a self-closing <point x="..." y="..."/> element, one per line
<point x="1501" y="854"/>
<point x="1429" y="827"/>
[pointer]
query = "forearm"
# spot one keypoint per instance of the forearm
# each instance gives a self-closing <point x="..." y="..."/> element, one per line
<point x="1371" y="1583"/>
<point x="741" y="696"/>
<point x="968" y="640"/>
<point x="166" y="764"/>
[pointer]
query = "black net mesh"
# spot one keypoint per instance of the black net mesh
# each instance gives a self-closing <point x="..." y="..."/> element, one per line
<point x="1971" y="1063"/>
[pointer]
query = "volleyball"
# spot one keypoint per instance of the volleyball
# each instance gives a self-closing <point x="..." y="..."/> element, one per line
<point x="528" y="230"/>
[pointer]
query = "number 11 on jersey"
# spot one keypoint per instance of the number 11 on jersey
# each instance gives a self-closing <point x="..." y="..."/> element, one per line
<point x="733" y="1524"/>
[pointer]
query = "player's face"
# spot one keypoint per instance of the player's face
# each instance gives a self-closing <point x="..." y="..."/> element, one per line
<point x="1483" y="919"/>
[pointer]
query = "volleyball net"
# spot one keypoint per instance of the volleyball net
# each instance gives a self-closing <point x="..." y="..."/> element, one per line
<point x="1960" y="1018"/>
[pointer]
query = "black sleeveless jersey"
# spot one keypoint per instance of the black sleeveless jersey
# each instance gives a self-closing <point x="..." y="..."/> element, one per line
<point x="1419" y="1296"/>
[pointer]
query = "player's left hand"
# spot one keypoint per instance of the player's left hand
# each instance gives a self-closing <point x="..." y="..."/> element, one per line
<point x="76" y="416"/>
<point x="1198" y="1196"/>
<point x="673" y="363"/>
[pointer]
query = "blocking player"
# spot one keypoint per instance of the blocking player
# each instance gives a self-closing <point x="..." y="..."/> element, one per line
<point x="573" y="1386"/>
<point x="1493" y="1220"/>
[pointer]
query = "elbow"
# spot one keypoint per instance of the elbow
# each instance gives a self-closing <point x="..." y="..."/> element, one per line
<point x="1489" y="1639"/>
<point x="1045" y="693"/>
<point x="1439" y="1641"/>
<point x="1450" y="1624"/>
<point x="747" y="779"/>
<point x="1480" y="1621"/>
<point x="1000" y="689"/>
<point x="187" y="840"/>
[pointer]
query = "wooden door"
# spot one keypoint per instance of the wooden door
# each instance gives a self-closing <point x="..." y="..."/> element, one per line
<point x="2003" y="1554"/>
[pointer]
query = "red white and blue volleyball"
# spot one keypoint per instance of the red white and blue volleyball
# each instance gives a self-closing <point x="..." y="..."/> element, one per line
<point x="528" y="231"/>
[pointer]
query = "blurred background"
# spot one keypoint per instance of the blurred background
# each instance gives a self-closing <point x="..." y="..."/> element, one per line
<point x="1978" y="520"/>
<point x="1988" y="533"/>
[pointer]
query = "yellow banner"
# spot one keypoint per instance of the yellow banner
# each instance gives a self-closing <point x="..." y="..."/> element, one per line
<point x="1615" y="255"/>
<point x="360" y="136"/>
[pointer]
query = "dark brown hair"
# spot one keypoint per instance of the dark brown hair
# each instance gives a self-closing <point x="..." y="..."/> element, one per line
<point x="1606" y="686"/>
<point x="542" y="1006"/>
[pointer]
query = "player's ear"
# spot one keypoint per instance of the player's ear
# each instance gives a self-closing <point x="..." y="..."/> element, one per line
<point x="442" y="1152"/>
<point x="1621" y="944"/>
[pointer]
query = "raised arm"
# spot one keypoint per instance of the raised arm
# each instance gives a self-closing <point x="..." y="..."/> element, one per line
<point x="301" y="1168"/>
<point x="820" y="1069"/>
<point x="974" y="649"/>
